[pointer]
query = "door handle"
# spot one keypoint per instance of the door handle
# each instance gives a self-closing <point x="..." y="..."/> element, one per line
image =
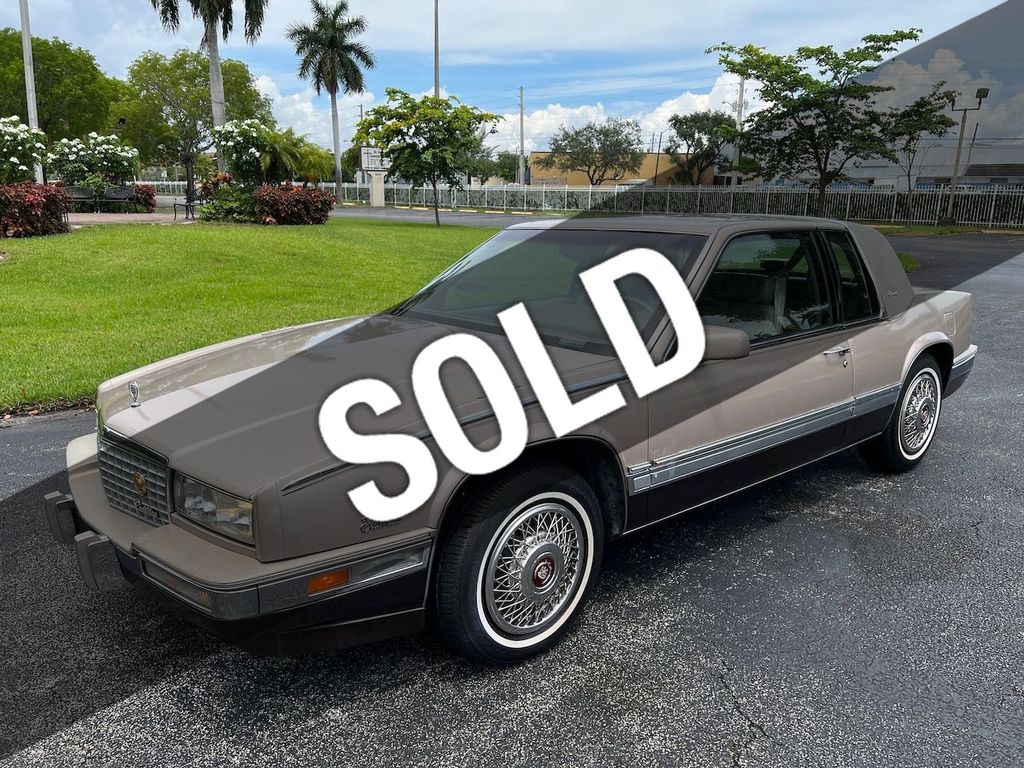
<point x="841" y="351"/>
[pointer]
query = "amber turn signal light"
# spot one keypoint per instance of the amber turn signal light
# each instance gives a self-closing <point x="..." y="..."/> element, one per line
<point x="327" y="581"/>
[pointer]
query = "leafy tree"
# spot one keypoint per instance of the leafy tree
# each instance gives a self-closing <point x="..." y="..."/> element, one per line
<point x="603" y="151"/>
<point x="507" y="166"/>
<point x="168" y="117"/>
<point x="480" y="160"/>
<point x="702" y="136"/>
<point x="314" y="164"/>
<point x="73" y="96"/>
<point x="821" y="116"/>
<point x="426" y="140"/>
<point x="214" y="14"/>
<point x="330" y="56"/>
<point x="912" y="131"/>
<point x="350" y="163"/>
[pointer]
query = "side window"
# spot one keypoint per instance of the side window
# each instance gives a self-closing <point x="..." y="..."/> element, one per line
<point x="860" y="301"/>
<point x="770" y="285"/>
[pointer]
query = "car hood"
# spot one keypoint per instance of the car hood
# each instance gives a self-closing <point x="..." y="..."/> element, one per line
<point x="242" y="414"/>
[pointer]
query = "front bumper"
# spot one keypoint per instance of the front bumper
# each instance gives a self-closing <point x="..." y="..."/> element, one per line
<point x="372" y="593"/>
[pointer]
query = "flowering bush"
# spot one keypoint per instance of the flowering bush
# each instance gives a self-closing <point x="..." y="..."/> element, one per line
<point x="292" y="205"/>
<point x="73" y="160"/>
<point x="28" y="209"/>
<point x="20" y="148"/>
<point x="213" y="182"/>
<point x="243" y="143"/>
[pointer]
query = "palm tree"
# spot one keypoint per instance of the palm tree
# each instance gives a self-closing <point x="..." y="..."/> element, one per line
<point x="213" y="14"/>
<point x="331" y="58"/>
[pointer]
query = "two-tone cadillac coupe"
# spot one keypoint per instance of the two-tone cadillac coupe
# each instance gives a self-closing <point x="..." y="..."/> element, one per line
<point x="209" y="485"/>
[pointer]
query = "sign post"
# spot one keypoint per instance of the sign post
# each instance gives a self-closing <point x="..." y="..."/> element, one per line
<point x="376" y="166"/>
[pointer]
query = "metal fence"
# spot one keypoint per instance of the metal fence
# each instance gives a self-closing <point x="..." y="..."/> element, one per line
<point x="991" y="207"/>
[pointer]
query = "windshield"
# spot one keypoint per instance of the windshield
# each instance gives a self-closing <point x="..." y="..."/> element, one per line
<point x="541" y="268"/>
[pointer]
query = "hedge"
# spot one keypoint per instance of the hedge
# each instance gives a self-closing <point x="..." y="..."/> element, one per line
<point x="28" y="209"/>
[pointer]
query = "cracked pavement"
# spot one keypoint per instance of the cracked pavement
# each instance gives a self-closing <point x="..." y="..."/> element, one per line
<point x="832" y="617"/>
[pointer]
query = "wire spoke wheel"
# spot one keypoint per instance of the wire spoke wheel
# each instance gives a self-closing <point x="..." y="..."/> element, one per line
<point x="534" y="568"/>
<point x="920" y="413"/>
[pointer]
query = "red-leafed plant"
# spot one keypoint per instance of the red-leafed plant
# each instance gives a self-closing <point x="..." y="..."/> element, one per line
<point x="145" y="194"/>
<point x="288" y="204"/>
<point x="28" y="209"/>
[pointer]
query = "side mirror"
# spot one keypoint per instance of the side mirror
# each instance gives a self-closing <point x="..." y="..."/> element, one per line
<point x="721" y="343"/>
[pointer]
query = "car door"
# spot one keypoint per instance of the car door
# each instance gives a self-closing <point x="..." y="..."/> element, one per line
<point x="732" y="423"/>
<point x="875" y="362"/>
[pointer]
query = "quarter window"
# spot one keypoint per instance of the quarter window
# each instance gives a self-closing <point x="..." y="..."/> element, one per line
<point x="855" y="289"/>
<point x="769" y="285"/>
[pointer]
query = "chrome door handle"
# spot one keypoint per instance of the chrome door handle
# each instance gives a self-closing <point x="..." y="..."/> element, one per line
<point x="841" y="351"/>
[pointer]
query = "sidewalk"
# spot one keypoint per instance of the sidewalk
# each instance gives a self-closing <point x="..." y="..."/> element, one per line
<point x="85" y="219"/>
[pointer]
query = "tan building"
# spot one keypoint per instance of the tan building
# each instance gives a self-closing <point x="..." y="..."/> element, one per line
<point x="656" y="169"/>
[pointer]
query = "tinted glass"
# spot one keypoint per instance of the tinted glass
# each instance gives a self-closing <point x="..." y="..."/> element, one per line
<point x="768" y="285"/>
<point x="856" y="291"/>
<point x="541" y="268"/>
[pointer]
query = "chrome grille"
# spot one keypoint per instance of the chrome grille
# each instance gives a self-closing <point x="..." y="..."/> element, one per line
<point x="122" y="470"/>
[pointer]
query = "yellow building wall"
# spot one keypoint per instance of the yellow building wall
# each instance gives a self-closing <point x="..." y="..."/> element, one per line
<point x="653" y="163"/>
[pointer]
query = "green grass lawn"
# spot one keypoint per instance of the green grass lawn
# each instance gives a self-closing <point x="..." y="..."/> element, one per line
<point x="77" y="309"/>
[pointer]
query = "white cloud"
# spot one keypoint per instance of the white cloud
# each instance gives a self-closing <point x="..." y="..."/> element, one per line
<point x="310" y="115"/>
<point x="540" y="124"/>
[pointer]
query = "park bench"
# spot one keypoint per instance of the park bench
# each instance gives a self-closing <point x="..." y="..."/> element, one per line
<point x="83" y="195"/>
<point x="123" y="195"/>
<point x="188" y="205"/>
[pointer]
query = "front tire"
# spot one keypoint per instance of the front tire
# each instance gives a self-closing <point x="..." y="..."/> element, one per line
<point x="515" y="572"/>
<point x="910" y="430"/>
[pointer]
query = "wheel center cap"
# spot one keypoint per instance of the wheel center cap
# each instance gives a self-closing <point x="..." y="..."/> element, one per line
<point x="543" y="571"/>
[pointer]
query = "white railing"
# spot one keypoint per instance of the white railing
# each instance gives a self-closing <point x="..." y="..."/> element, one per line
<point x="990" y="207"/>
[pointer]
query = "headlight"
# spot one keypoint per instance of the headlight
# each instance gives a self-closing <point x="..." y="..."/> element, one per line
<point x="215" y="509"/>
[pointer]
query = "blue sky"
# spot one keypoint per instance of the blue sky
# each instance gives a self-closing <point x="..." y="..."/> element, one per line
<point x="578" y="60"/>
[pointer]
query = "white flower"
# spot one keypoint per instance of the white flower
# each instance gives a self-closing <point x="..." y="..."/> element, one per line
<point x="22" y="168"/>
<point x="13" y="159"/>
<point x="93" y="135"/>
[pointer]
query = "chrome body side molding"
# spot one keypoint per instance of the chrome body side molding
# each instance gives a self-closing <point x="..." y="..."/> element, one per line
<point x="681" y="465"/>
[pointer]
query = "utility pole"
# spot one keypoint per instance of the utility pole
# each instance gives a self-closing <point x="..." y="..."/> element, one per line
<point x="981" y="95"/>
<point x="657" y="158"/>
<point x="522" y="136"/>
<point x="437" y="52"/>
<point x="30" y="78"/>
<point x="739" y="127"/>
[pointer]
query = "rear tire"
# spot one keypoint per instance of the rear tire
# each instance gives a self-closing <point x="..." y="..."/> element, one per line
<point x="515" y="572"/>
<point x="911" y="428"/>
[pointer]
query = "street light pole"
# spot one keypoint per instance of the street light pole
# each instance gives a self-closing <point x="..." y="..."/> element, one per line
<point x="30" y="78"/>
<point x="981" y="95"/>
<point x="437" y="52"/>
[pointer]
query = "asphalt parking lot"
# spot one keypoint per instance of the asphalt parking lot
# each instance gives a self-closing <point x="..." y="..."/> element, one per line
<point x="829" y="618"/>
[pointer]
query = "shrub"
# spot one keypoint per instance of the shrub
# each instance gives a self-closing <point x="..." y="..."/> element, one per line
<point x="243" y="144"/>
<point x="28" y="209"/>
<point x="292" y="205"/>
<point x="213" y="182"/>
<point x="229" y="203"/>
<point x="74" y="160"/>
<point x="20" y="149"/>
<point x="145" y="194"/>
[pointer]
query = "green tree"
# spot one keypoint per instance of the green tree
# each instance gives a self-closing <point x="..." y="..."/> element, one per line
<point x="426" y="140"/>
<point x="913" y="130"/>
<point x="603" y="151"/>
<point x="701" y="136"/>
<point x="480" y="162"/>
<point x="351" y="161"/>
<point x="214" y="14"/>
<point x="821" y="115"/>
<point x="168" y="117"/>
<point x="73" y="96"/>
<point x="507" y="166"/>
<point x="331" y="57"/>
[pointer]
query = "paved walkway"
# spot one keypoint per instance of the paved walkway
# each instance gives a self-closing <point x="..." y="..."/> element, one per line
<point x="85" y="219"/>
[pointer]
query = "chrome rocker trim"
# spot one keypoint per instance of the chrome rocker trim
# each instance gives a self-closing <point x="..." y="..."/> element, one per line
<point x="681" y="465"/>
